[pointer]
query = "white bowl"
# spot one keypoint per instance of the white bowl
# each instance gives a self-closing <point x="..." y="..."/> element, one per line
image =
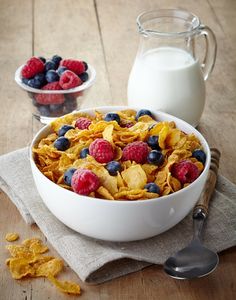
<point x="120" y="220"/>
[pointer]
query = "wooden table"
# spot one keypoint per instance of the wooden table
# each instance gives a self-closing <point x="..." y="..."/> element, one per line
<point x="104" y="33"/>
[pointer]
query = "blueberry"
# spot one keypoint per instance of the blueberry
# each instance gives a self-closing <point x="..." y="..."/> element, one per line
<point x="42" y="59"/>
<point x="62" y="131"/>
<point x="153" y="142"/>
<point x="50" y="65"/>
<point x="152" y="188"/>
<point x="155" y="157"/>
<point x="112" y="117"/>
<point x="199" y="155"/>
<point x="68" y="176"/>
<point x="113" y="167"/>
<point x="56" y="108"/>
<point x="61" y="70"/>
<point x="52" y="76"/>
<point x="44" y="110"/>
<point x="62" y="143"/>
<point x="84" y="76"/>
<point x="34" y="83"/>
<point x="84" y="152"/>
<point x="143" y="112"/>
<point x="70" y="104"/>
<point x="41" y="78"/>
<point x="56" y="59"/>
<point x="25" y="80"/>
<point x="85" y="66"/>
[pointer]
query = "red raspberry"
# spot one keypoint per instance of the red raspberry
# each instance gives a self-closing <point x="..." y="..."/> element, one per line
<point x="101" y="150"/>
<point x="32" y="67"/>
<point x="69" y="80"/>
<point x="73" y="65"/>
<point x="137" y="151"/>
<point x="82" y="123"/>
<point x="185" y="171"/>
<point x="50" y="98"/>
<point x="84" y="182"/>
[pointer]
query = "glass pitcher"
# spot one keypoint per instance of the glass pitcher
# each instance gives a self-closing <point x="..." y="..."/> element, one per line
<point x="166" y="74"/>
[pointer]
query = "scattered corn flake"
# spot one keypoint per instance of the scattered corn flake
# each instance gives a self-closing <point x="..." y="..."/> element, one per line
<point x="12" y="236"/>
<point x="65" y="286"/>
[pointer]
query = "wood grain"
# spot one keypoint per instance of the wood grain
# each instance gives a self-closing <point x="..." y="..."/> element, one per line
<point x="104" y="33"/>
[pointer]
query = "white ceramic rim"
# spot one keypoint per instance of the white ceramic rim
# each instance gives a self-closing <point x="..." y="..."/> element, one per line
<point x="92" y="75"/>
<point x="129" y="202"/>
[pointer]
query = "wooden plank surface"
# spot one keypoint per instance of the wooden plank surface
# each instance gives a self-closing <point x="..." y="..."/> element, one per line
<point x="104" y="33"/>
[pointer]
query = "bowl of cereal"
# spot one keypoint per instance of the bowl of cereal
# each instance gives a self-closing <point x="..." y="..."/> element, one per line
<point x="56" y="86"/>
<point x="119" y="173"/>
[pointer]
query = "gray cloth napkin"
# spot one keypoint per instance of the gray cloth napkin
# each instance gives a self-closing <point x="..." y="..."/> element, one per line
<point x="97" y="261"/>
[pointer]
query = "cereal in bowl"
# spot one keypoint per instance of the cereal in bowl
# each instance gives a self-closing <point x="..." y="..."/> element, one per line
<point x="122" y="155"/>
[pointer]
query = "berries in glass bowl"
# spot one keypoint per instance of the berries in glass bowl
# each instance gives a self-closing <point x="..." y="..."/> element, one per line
<point x="57" y="86"/>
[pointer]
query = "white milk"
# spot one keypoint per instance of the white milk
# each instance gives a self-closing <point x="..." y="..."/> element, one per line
<point x="170" y="80"/>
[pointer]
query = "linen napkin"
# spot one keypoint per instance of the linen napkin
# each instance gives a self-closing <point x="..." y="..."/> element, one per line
<point x="97" y="261"/>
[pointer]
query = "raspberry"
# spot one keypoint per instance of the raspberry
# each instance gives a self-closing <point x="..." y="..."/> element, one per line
<point x="69" y="80"/>
<point x="32" y="67"/>
<point x="137" y="151"/>
<point x="84" y="182"/>
<point x="82" y="123"/>
<point x="101" y="150"/>
<point x="50" y="98"/>
<point x="73" y="65"/>
<point x="185" y="171"/>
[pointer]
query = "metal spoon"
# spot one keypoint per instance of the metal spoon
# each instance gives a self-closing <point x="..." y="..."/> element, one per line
<point x="196" y="260"/>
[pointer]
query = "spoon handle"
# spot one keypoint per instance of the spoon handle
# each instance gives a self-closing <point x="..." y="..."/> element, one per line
<point x="201" y="208"/>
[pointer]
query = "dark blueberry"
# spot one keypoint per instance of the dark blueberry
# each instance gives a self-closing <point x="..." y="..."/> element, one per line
<point x="68" y="176"/>
<point x="62" y="143"/>
<point x="112" y="117"/>
<point x="155" y="157"/>
<point x="41" y="78"/>
<point x="143" y="112"/>
<point x="44" y="110"/>
<point x="56" y="59"/>
<point x="85" y="66"/>
<point x="113" y="167"/>
<point x="35" y="83"/>
<point x="52" y="76"/>
<point x="62" y="131"/>
<point x="84" y="76"/>
<point x="152" y="188"/>
<point x="56" y="108"/>
<point x="61" y="70"/>
<point x="199" y="155"/>
<point x="153" y="142"/>
<point x="42" y="59"/>
<point x="84" y="152"/>
<point x="70" y="104"/>
<point x="25" y="80"/>
<point x="50" y="65"/>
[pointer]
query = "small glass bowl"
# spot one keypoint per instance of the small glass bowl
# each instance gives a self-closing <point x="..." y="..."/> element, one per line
<point x="50" y="104"/>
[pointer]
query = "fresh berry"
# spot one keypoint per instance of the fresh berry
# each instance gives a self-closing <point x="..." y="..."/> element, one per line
<point x="85" y="66"/>
<point x="155" y="157"/>
<point x="185" y="171"/>
<point x="136" y="151"/>
<point x="50" y="65"/>
<point x="34" y="83"/>
<point x="69" y="80"/>
<point x="152" y="187"/>
<point x="44" y="110"/>
<point x="73" y="65"/>
<point x="68" y="176"/>
<point x="153" y="142"/>
<point x="199" y="155"/>
<point x="84" y="152"/>
<point x="82" y="123"/>
<point x="84" y="182"/>
<point x="50" y="98"/>
<point x="70" y="104"/>
<point x="113" y="167"/>
<point x="63" y="130"/>
<point x="61" y="70"/>
<point x="32" y="67"/>
<point x="101" y="150"/>
<point x="56" y="109"/>
<point x="52" y="76"/>
<point x="62" y="143"/>
<point x="56" y="59"/>
<point x="143" y="112"/>
<point x="41" y="78"/>
<point x="84" y="76"/>
<point x="126" y="125"/>
<point x="42" y="59"/>
<point x="25" y="80"/>
<point x="112" y="117"/>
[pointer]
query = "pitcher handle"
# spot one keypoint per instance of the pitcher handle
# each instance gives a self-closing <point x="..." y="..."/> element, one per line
<point x="211" y="49"/>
